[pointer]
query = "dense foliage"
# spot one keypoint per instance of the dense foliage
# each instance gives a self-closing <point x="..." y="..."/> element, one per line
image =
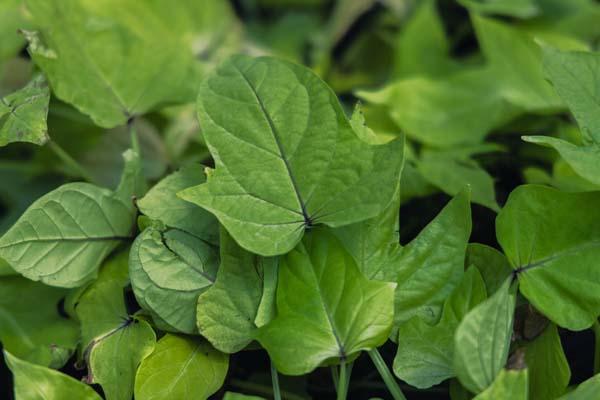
<point x="300" y="199"/>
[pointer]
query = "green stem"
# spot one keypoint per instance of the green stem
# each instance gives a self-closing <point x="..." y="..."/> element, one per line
<point x="343" y="381"/>
<point x="262" y="389"/>
<point x="70" y="162"/>
<point x="275" y="380"/>
<point x="386" y="375"/>
<point x="335" y="377"/>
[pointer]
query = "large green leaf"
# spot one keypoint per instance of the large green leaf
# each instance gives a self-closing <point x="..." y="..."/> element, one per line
<point x="114" y="343"/>
<point x="509" y="384"/>
<point x="482" y="340"/>
<point x="115" y="59"/>
<point x="586" y="390"/>
<point x="228" y="312"/>
<point x="63" y="237"/>
<point x="425" y="352"/>
<point x="181" y="368"/>
<point x="549" y="372"/>
<point x="34" y="382"/>
<point x="12" y="18"/>
<point x="168" y="271"/>
<point x="325" y="308"/>
<point x="552" y="240"/>
<point x="161" y="203"/>
<point x="30" y="325"/>
<point x="23" y="114"/>
<point x="288" y="159"/>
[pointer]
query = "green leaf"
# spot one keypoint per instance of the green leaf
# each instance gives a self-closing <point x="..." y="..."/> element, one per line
<point x="324" y="308"/>
<point x="23" y="114"/>
<point x="276" y="171"/>
<point x="492" y="264"/>
<point x="161" y="203"/>
<point x="431" y="266"/>
<point x="64" y="236"/>
<point x="422" y="47"/>
<point x="114" y="343"/>
<point x="549" y="372"/>
<point x="585" y="390"/>
<point x="425" y="352"/>
<point x="445" y="111"/>
<point x="552" y="240"/>
<point x="576" y="78"/>
<point x="509" y="384"/>
<point x="30" y="325"/>
<point x="117" y="59"/>
<point x="12" y="18"/>
<point x="181" y="368"/>
<point x="510" y="8"/>
<point x="515" y="62"/>
<point x="228" y="313"/>
<point x="451" y="172"/>
<point x="482" y="340"/>
<point x="583" y="159"/>
<point x="168" y="271"/>
<point x="34" y="382"/>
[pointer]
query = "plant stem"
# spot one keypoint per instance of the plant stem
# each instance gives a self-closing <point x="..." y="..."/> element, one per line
<point x="263" y="389"/>
<point x="343" y="381"/>
<point x="69" y="161"/>
<point x="335" y="377"/>
<point x="275" y="380"/>
<point x="386" y="375"/>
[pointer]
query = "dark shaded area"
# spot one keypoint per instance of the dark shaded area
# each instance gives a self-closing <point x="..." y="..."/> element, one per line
<point x="579" y="349"/>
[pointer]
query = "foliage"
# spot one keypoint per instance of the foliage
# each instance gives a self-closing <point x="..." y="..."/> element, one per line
<point x="239" y="199"/>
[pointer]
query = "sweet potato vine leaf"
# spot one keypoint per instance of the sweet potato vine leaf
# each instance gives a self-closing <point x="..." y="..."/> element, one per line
<point x="326" y="309"/>
<point x="552" y="240"/>
<point x="168" y="271"/>
<point x="23" y="114"/>
<point x="181" y="367"/>
<point x="64" y="236"/>
<point x="576" y="78"/>
<point x="241" y="300"/>
<point x="32" y="382"/>
<point x="288" y="158"/>
<point x="509" y="384"/>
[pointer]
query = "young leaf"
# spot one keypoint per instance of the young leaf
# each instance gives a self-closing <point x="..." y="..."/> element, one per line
<point x="228" y="312"/>
<point x="181" y="368"/>
<point x="509" y="384"/>
<point x="482" y="340"/>
<point x="64" y="236"/>
<point x="425" y="352"/>
<point x="552" y="240"/>
<point x="333" y="317"/>
<point x="117" y="59"/>
<point x="549" y="372"/>
<point x="586" y="390"/>
<point x="168" y="271"/>
<point x="33" y="382"/>
<point x="23" y="114"/>
<point x="30" y="325"/>
<point x="161" y="203"/>
<point x="289" y="159"/>
<point x="114" y="343"/>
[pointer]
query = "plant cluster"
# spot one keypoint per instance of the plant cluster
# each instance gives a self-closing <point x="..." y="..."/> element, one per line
<point x="299" y="199"/>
